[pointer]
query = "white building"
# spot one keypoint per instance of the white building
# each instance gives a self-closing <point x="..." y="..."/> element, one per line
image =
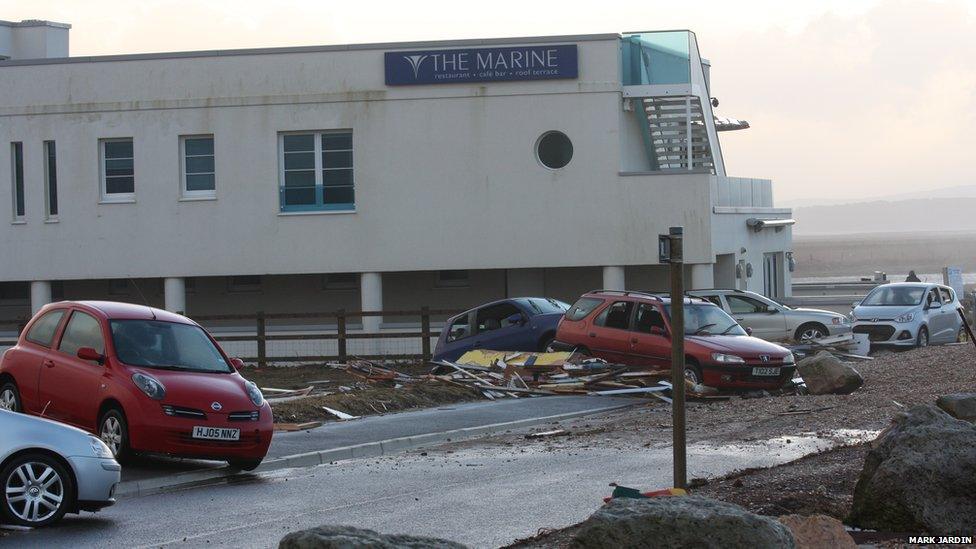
<point x="366" y="177"/>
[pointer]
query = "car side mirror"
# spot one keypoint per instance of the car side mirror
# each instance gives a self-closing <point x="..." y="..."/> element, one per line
<point x="934" y="305"/>
<point x="515" y="320"/>
<point x="658" y="331"/>
<point x="855" y="304"/>
<point x="772" y="311"/>
<point x="88" y="353"/>
<point x="237" y="363"/>
<point x="748" y="330"/>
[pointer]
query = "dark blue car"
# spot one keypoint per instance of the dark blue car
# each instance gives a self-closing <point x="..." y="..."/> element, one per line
<point x="516" y="324"/>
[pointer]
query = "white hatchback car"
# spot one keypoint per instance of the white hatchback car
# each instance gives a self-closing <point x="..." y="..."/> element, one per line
<point x="48" y="469"/>
<point x="909" y="314"/>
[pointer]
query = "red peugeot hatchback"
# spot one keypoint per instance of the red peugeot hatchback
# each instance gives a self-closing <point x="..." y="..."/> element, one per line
<point x="142" y="379"/>
<point x="635" y="328"/>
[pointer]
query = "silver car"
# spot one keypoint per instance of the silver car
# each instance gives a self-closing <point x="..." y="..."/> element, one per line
<point x="909" y="314"/>
<point x="773" y="321"/>
<point x="48" y="469"/>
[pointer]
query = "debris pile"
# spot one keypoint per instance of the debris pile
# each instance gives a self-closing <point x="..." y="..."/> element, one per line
<point x="499" y="374"/>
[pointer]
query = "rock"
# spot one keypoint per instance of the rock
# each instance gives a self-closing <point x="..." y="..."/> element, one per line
<point x="679" y="521"/>
<point x="824" y="374"/>
<point x="960" y="405"/>
<point x="818" y="531"/>
<point x="920" y="476"/>
<point x="347" y="537"/>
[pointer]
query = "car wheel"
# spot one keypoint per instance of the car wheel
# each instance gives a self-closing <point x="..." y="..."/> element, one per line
<point x="923" y="338"/>
<point x="114" y="432"/>
<point x="10" y="397"/>
<point x="693" y="374"/>
<point x="810" y="331"/>
<point x="546" y="345"/>
<point x="244" y="464"/>
<point x="37" y="490"/>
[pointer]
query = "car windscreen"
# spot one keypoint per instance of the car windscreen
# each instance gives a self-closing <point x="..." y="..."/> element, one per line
<point x="583" y="307"/>
<point x="166" y="346"/>
<point x="895" y="295"/>
<point x="541" y="306"/>
<point x="702" y="319"/>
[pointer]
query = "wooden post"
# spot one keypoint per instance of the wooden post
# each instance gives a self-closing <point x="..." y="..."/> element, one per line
<point x="678" y="357"/>
<point x="262" y="340"/>
<point x="425" y="332"/>
<point x="341" y="328"/>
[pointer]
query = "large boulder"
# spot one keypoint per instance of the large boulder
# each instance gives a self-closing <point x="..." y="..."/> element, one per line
<point x="960" y="406"/>
<point x="679" y="521"/>
<point x="920" y="476"/>
<point x="347" y="537"/>
<point x="825" y="374"/>
<point x="818" y="531"/>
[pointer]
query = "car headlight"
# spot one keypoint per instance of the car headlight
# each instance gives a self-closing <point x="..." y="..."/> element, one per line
<point x="727" y="359"/>
<point x="149" y="385"/>
<point x="99" y="449"/>
<point x="840" y="319"/>
<point x="789" y="359"/>
<point x="254" y="393"/>
<point x="907" y="317"/>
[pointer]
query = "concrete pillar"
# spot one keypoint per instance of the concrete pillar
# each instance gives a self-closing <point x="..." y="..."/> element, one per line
<point x="40" y="294"/>
<point x="702" y="276"/>
<point x="371" y="299"/>
<point x="174" y="290"/>
<point x="614" y="279"/>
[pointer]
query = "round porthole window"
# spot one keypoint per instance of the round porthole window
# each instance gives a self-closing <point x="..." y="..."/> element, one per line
<point x="554" y="150"/>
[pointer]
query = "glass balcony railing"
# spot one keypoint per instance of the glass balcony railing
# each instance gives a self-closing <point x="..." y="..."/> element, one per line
<point x="655" y="58"/>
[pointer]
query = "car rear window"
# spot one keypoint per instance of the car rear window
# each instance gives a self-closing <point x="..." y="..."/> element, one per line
<point x="42" y="332"/>
<point x="582" y="307"/>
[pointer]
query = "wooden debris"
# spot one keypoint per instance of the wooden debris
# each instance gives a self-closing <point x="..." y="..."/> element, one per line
<point x="291" y="427"/>
<point x="341" y="415"/>
<point x="545" y="434"/>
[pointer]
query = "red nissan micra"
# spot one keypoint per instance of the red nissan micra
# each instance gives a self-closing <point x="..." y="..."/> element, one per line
<point x="142" y="379"/>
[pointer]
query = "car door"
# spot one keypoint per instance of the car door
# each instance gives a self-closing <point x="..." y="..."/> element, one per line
<point x="27" y="360"/>
<point x="69" y="385"/>
<point x="767" y="322"/>
<point x="650" y="341"/>
<point x="942" y="328"/>
<point x="610" y="333"/>
<point x="460" y="336"/>
<point x="502" y="327"/>
<point x="950" y="307"/>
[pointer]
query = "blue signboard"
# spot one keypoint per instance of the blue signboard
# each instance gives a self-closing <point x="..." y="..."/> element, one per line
<point x="481" y="65"/>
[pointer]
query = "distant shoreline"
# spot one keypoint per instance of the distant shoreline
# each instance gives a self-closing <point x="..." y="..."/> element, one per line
<point x="859" y="255"/>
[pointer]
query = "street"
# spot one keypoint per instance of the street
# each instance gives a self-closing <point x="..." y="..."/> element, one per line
<point x="482" y="496"/>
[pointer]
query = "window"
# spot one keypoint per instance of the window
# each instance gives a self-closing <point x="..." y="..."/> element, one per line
<point x="42" y="332"/>
<point x="648" y="317"/>
<point x="316" y="171"/>
<point x="583" y="307"/>
<point x="895" y="296"/>
<point x="741" y="305"/>
<point x="616" y="315"/>
<point x="169" y="345"/>
<point x="497" y="316"/>
<point x="17" y="179"/>
<point x="946" y="294"/>
<point x="14" y="293"/>
<point x="51" y="179"/>
<point x="554" y="150"/>
<point x="244" y="284"/>
<point x="118" y="286"/>
<point x="82" y="331"/>
<point x="341" y="281"/>
<point x="541" y="306"/>
<point x="118" y="170"/>
<point x="197" y="166"/>
<point x="460" y="328"/>
<point x="451" y="279"/>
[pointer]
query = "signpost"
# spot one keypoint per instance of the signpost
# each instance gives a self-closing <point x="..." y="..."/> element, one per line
<point x="671" y="250"/>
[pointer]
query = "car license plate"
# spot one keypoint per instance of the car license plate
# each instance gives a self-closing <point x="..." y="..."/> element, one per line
<point x="216" y="433"/>
<point x="765" y="371"/>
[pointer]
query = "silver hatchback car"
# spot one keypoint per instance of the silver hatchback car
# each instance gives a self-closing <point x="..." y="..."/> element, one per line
<point x="909" y="314"/>
<point x="48" y="469"/>
<point x="773" y="321"/>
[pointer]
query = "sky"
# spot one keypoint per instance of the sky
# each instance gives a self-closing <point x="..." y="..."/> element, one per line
<point x="847" y="99"/>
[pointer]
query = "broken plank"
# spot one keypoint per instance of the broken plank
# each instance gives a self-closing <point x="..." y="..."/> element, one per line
<point x="341" y="415"/>
<point x="631" y="391"/>
<point x="489" y="387"/>
<point x="544" y="434"/>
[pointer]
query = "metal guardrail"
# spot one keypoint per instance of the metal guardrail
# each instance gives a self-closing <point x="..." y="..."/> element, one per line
<point x="342" y="335"/>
